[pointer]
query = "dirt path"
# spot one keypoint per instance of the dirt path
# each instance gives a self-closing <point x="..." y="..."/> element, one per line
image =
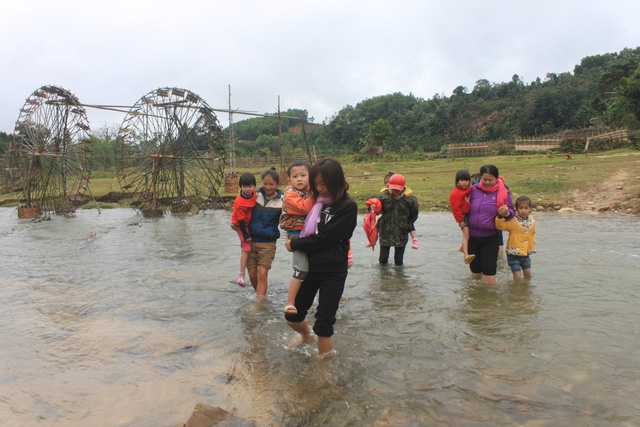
<point x="616" y="193"/>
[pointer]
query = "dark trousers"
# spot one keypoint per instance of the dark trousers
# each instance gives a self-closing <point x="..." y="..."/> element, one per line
<point x="486" y="251"/>
<point x="398" y="255"/>
<point x="330" y="286"/>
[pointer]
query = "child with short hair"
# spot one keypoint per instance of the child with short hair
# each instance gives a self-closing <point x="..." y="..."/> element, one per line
<point x="412" y="228"/>
<point x="241" y="216"/>
<point x="459" y="202"/>
<point x="521" y="241"/>
<point x="298" y="201"/>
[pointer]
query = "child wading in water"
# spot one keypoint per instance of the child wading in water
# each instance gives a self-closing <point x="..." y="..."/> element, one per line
<point x="298" y="201"/>
<point x="412" y="228"/>
<point x="241" y="216"/>
<point x="521" y="241"/>
<point x="459" y="201"/>
<point x="399" y="209"/>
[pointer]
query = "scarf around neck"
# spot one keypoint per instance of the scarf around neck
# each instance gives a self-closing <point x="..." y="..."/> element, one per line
<point x="501" y="197"/>
<point x="313" y="218"/>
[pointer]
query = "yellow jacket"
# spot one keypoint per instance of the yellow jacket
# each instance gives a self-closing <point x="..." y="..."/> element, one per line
<point x="522" y="232"/>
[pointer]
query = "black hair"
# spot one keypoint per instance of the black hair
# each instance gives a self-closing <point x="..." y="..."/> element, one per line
<point x="333" y="177"/>
<point x="463" y="175"/>
<point x="247" y="178"/>
<point x="490" y="169"/>
<point x="272" y="173"/>
<point x="523" y="199"/>
<point x="297" y="163"/>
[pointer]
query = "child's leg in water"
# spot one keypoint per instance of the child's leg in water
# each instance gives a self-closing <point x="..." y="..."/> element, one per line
<point x="465" y="246"/>
<point x="294" y="286"/>
<point x="243" y="265"/>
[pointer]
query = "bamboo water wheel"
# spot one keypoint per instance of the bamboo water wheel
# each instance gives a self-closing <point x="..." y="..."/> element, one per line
<point x="49" y="159"/>
<point x="170" y="153"/>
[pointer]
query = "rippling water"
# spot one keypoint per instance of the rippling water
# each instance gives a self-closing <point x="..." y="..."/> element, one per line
<point x="135" y="325"/>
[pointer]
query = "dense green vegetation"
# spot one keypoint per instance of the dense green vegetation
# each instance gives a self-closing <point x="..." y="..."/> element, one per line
<point x="601" y="90"/>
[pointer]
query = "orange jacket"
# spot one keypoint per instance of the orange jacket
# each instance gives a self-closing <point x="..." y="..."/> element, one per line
<point x="295" y="208"/>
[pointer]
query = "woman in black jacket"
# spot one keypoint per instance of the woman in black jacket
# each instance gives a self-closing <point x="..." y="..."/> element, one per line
<point x="329" y="227"/>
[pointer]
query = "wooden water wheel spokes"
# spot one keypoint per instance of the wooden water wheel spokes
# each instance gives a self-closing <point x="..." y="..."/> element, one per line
<point x="49" y="159"/>
<point x="170" y="152"/>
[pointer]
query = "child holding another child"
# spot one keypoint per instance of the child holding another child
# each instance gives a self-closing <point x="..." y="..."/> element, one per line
<point x="412" y="228"/>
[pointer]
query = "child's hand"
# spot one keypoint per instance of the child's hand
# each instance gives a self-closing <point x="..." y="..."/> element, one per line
<point x="287" y="245"/>
<point x="503" y="210"/>
<point x="234" y="227"/>
<point x="462" y="224"/>
<point x="247" y="239"/>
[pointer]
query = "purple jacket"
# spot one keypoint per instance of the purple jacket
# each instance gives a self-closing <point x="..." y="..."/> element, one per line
<point x="483" y="212"/>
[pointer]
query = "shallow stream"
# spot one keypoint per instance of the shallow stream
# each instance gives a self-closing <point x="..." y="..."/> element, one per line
<point x="112" y="319"/>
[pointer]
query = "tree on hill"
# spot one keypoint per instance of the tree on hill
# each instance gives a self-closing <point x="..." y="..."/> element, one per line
<point x="603" y="89"/>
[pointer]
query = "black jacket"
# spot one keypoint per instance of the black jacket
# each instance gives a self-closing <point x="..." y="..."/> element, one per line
<point x="327" y="250"/>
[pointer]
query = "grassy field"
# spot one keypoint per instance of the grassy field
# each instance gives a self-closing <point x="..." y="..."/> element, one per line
<point x="550" y="181"/>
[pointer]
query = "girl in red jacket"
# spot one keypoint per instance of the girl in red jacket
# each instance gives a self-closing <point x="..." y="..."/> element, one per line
<point x="459" y="201"/>
<point x="241" y="216"/>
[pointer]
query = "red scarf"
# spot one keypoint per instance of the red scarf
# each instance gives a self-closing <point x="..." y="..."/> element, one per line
<point x="501" y="197"/>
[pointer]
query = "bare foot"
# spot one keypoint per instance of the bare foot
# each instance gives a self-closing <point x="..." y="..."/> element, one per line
<point x="328" y="354"/>
<point x="299" y="339"/>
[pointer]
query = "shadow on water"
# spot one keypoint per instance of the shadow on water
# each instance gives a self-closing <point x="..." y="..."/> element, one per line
<point x="105" y="322"/>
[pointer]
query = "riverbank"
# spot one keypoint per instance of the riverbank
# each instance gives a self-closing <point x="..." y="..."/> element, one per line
<point x="599" y="182"/>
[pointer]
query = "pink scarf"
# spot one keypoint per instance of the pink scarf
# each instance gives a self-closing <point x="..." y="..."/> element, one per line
<point x="501" y="197"/>
<point x="313" y="218"/>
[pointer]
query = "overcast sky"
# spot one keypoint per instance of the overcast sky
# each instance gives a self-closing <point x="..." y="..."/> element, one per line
<point x="316" y="55"/>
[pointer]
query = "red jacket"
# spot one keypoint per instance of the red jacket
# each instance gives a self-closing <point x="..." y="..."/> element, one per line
<point x="459" y="201"/>
<point x="241" y="215"/>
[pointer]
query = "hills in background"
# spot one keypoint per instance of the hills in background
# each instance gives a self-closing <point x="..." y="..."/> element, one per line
<point x="603" y="90"/>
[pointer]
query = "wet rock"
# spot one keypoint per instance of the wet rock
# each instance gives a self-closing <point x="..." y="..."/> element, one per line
<point x="540" y="208"/>
<point x="204" y="415"/>
<point x="566" y="210"/>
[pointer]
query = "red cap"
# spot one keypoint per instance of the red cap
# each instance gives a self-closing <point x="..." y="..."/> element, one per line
<point x="396" y="182"/>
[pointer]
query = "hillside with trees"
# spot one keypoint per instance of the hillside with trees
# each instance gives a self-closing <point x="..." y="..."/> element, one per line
<point x="603" y="90"/>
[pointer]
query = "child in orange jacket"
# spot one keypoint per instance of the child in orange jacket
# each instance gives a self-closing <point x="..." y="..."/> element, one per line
<point x="298" y="201"/>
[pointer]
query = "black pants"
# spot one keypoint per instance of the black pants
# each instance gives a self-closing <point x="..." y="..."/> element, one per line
<point x="398" y="255"/>
<point x="486" y="251"/>
<point x="330" y="287"/>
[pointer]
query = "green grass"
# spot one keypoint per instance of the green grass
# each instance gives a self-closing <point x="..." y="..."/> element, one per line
<point x="547" y="179"/>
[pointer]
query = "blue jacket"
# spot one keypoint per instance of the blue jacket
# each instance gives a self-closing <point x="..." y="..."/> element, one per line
<point x="483" y="212"/>
<point x="265" y="218"/>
